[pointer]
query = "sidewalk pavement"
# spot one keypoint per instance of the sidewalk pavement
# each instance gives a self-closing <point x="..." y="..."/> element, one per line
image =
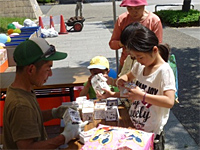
<point x="182" y="129"/>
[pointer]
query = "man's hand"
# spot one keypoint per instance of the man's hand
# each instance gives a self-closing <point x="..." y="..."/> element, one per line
<point x="72" y="130"/>
<point x="59" y="111"/>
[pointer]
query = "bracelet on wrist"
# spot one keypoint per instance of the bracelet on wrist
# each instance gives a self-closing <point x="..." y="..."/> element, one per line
<point x="144" y="97"/>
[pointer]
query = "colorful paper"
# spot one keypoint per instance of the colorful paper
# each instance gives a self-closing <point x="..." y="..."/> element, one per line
<point x="115" y="138"/>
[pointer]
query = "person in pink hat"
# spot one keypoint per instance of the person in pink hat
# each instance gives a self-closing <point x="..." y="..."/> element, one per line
<point x="136" y="12"/>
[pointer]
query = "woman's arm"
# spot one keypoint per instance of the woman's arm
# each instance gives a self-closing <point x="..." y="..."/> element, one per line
<point x="114" y="42"/>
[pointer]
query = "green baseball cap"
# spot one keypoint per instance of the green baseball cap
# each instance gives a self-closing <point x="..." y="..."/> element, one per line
<point x="36" y="49"/>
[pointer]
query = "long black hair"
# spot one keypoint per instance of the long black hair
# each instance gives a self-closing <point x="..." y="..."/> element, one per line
<point x="143" y="40"/>
<point x="128" y="30"/>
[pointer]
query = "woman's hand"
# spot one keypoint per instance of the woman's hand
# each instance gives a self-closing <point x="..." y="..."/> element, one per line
<point x="120" y="82"/>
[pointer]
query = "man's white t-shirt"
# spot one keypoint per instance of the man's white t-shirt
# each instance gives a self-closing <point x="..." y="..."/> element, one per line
<point x="144" y="116"/>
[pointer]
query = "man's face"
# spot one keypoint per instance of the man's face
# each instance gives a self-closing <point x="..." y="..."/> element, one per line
<point x="40" y="76"/>
<point x="136" y="12"/>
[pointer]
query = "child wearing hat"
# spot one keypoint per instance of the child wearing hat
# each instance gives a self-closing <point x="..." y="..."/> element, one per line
<point x="136" y="12"/>
<point x="98" y="64"/>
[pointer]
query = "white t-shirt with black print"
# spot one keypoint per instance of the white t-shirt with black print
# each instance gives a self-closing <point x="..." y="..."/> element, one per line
<point x="144" y="116"/>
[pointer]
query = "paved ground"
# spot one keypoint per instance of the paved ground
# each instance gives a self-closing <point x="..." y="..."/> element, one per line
<point x="182" y="129"/>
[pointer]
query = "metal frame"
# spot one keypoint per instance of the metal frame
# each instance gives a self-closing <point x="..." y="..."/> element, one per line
<point x="171" y="5"/>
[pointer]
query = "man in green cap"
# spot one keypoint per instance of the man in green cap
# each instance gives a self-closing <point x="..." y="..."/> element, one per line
<point x="22" y="119"/>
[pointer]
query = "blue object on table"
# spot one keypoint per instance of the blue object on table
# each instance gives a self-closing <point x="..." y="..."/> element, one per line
<point x="112" y="73"/>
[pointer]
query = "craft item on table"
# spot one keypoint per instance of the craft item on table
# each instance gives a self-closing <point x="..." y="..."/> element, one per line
<point x="99" y="83"/>
<point x="80" y="101"/>
<point x="99" y="110"/>
<point x="81" y="98"/>
<point x="87" y="114"/>
<point x="123" y="90"/>
<point x="71" y="115"/>
<point x="112" y="101"/>
<point x="113" y="138"/>
<point x="103" y="100"/>
<point x="112" y="113"/>
<point x="88" y="104"/>
<point x="87" y="110"/>
<point x="84" y="136"/>
<point x="71" y="104"/>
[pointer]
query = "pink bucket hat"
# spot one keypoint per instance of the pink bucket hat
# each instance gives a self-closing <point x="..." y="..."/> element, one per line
<point x="126" y="3"/>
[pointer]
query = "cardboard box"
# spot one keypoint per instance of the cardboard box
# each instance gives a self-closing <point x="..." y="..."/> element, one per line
<point x="71" y="115"/>
<point x="4" y="66"/>
<point x="112" y="113"/>
<point x="10" y="51"/>
<point x="85" y="135"/>
<point x="99" y="110"/>
<point x="87" y="114"/>
<point x="80" y="100"/>
<point x="3" y="60"/>
<point x="73" y="104"/>
<point x="99" y="82"/>
<point x="3" y="56"/>
<point x="112" y="101"/>
<point x="88" y="104"/>
<point x="87" y="110"/>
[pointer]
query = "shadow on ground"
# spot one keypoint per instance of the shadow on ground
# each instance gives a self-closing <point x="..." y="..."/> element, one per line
<point x="188" y="111"/>
<point x="109" y="25"/>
